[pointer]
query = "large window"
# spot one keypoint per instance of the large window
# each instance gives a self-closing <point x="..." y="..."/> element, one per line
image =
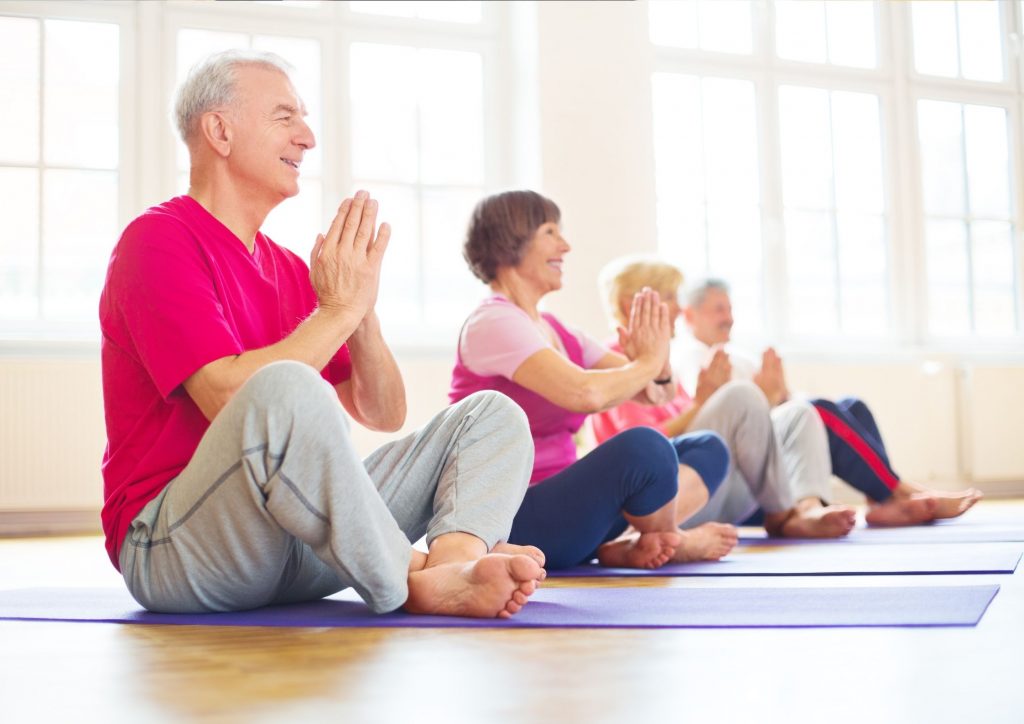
<point x="59" y="163"/>
<point x="396" y="98"/>
<point x="886" y="139"/>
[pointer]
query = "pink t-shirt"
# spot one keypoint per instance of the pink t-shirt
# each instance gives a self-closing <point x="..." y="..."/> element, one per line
<point x="634" y="414"/>
<point x="496" y="339"/>
<point x="182" y="291"/>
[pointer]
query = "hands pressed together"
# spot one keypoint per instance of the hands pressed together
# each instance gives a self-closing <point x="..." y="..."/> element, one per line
<point x="771" y="378"/>
<point x="344" y="266"/>
<point x="717" y="372"/>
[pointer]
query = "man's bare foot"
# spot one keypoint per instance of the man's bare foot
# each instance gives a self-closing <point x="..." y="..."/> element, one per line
<point x="640" y="550"/>
<point x="707" y="542"/>
<point x="914" y="510"/>
<point x="496" y="585"/>
<point x="951" y="505"/>
<point x="512" y="549"/>
<point x="821" y="521"/>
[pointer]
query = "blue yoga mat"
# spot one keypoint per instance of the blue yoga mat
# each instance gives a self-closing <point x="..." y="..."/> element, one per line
<point x="826" y="559"/>
<point x="628" y="607"/>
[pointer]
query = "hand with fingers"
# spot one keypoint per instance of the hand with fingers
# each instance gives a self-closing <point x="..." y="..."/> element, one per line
<point x="344" y="266"/>
<point x="712" y="377"/>
<point x="771" y="378"/>
<point x="650" y="329"/>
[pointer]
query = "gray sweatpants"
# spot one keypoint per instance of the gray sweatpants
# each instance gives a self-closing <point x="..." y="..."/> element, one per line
<point x="276" y="506"/>
<point x="778" y="456"/>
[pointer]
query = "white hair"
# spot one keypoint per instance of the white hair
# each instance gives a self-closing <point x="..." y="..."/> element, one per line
<point x="699" y="291"/>
<point x="211" y="84"/>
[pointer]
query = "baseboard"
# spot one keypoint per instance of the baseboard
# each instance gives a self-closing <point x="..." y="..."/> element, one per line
<point x="48" y="522"/>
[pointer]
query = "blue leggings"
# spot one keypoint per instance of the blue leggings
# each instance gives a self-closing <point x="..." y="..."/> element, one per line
<point x="856" y="448"/>
<point x="570" y="514"/>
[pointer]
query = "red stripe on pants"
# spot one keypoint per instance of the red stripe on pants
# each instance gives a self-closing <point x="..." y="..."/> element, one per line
<point x="855" y="441"/>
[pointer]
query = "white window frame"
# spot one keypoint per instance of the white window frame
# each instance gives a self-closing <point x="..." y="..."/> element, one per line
<point x="147" y="140"/>
<point x="898" y="88"/>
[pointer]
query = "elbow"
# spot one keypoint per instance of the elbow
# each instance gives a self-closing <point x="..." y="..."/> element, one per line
<point x="588" y="400"/>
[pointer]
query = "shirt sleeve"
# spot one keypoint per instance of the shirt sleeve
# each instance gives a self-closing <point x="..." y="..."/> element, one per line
<point x="164" y="292"/>
<point x="497" y="339"/>
<point x="593" y="350"/>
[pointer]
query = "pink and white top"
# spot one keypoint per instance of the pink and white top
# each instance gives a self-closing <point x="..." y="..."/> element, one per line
<point x="498" y="337"/>
<point x="634" y="414"/>
<point x="182" y="291"/>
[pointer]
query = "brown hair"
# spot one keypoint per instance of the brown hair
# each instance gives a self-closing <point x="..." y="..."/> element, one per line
<point x="501" y="227"/>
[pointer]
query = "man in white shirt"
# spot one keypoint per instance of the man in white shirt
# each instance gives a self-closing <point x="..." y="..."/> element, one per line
<point x="857" y="452"/>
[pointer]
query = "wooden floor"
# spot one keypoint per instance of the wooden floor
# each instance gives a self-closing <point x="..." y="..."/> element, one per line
<point x="130" y="673"/>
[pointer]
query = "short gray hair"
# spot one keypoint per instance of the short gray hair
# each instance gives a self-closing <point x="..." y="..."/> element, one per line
<point x="211" y="84"/>
<point x="698" y="292"/>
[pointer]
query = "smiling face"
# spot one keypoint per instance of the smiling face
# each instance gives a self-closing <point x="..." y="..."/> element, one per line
<point x="269" y="134"/>
<point x="541" y="263"/>
<point x="711" y="320"/>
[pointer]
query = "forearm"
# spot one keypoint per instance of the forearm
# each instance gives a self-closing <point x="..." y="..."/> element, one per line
<point x="606" y="388"/>
<point x="314" y="342"/>
<point x="375" y="395"/>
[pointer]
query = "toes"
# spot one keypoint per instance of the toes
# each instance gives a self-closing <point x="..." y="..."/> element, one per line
<point x="519" y="597"/>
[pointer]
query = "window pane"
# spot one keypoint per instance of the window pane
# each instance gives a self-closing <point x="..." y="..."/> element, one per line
<point x="988" y="161"/>
<point x="19" y="90"/>
<point x="734" y="240"/>
<point x="851" y="33"/>
<point x="453" y="12"/>
<point x="864" y="309"/>
<point x="450" y="90"/>
<point x="730" y="140"/>
<point x="940" y="130"/>
<point x="863" y="274"/>
<point x="935" y="37"/>
<point x="673" y="22"/>
<point x="450" y="289"/>
<point x="800" y="30"/>
<point x="678" y="138"/>
<point x="725" y="26"/>
<point x="994" y="311"/>
<point x="79" y="231"/>
<point x="682" y="236"/>
<point x="296" y="222"/>
<point x="304" y="56"/>
<point x="810" y="263"/>
<point x="81" y="101"/>
<point x="857" y="152"/>
<point x="806" y="147"/>
<point x="19" y="243"/>
<point x="981" y="45"/>
<point x="948" y="283"/>
<point x="992" y="253"/>
<point x="382" y="85"/>
<point x="399" y="300"/>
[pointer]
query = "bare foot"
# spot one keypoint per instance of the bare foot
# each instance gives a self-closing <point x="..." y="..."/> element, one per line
<point x="914" y="510"/>
<point x="512" y="549"/>
<point x="823" y="521"/>
<point x="707" y="542"/>
<point x="640" y="550"/>
<point x="951" y="505"/>
<point x="496" y="585"/>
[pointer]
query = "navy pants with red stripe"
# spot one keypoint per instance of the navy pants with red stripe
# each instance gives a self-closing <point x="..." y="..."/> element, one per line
<point x="856" y="447"/>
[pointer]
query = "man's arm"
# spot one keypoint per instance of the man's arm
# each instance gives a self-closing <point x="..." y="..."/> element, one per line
<point x="345" y="274"/>
<point x="375" y="394"/>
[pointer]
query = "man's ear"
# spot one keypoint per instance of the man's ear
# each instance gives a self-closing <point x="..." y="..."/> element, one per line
<point x="217" y="132"/>
<point x="688" y="315"/>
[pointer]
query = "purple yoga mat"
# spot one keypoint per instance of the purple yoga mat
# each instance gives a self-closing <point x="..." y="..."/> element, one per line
<point x="965" y="532"/>
<point x="563" y="608"/>
<point x="827" y="559"/>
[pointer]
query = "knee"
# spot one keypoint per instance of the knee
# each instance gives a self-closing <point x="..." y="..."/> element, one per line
<point x="708" y="455"/>
<point x="647" y="450"/>
<point x="499" y="410"/>
<point x="855" y="406"/>
<point x="287" y="383"/>
<point x="744" y="397"/>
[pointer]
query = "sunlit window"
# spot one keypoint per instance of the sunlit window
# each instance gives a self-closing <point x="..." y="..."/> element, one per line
<point x="707" y="184"/>
<point x="958" y="39"/>
<point x="59" y="134"/>
<point x="969" y="232"/>
<point x="417" y="143"/>
<point x="833" y="200"/>
<point x="818" y="31"/>
<point x="722" y="26"/>
<point x="295" y="222"/>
